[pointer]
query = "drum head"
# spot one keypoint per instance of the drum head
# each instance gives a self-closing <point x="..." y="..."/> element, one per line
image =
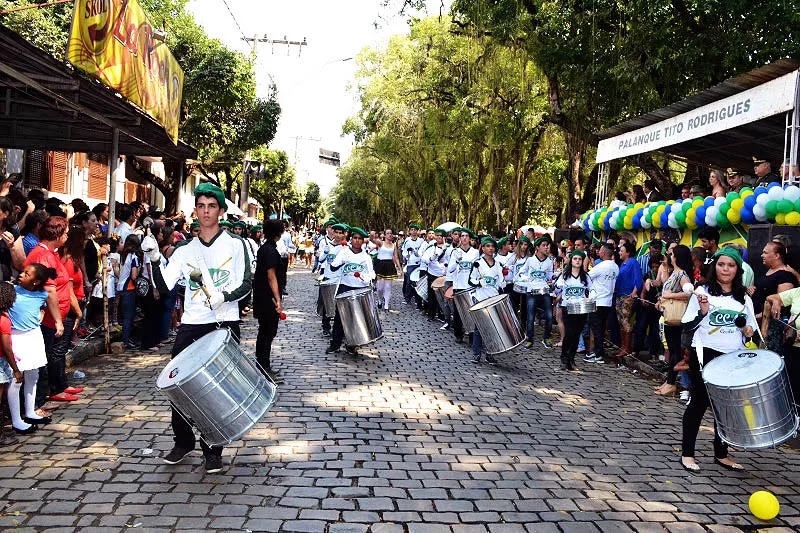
<point x="189" y="362"/>
<point x="353" y="294"/>
<point x="488" y="302"/>
<point x="415" y="275"/>
<point x="438" y="283"/>
<point x="742" y="368"/>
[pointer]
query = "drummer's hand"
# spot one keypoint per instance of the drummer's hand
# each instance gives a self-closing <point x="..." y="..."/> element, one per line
<point x="278" y="306"/>
<point x="703" y="301"/>
<point x="775" y="309"/>
<point x="748" y="331"/>
<point x="215" y="300"/>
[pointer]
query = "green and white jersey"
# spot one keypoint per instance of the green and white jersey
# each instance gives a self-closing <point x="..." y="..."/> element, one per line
<point x="225" y="265"/>
<point x="348" y="263"/>
<point x="572" y="289"/>
<point x="460" y="266"/>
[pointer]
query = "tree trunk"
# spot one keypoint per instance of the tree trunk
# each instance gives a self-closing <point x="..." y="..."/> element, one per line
<point x="650" y="167"/>
<point x="575" y="150"/>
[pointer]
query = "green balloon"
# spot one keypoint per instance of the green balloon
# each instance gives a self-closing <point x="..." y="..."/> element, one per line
<point x="724" y="208"/>
<point x="662" y="202"/>
<point x="744" y="190"/>
<point x="785" y="206"/>
<point x="771" y="208"/>
<point x="686" y="205"/>
<point x="722" y="220"/>
<point x="731" y="196"/>
<point x="649" y="217"/>
<point x="797" y="205"/>
<point x="698" y="197"/>
<point x="680" y="218"/>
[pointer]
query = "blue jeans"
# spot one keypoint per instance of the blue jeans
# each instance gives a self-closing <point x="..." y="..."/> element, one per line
<point x="168" y="303"/>
<point x="128" y="303"/>
<point x="544" y="302"/>
<point x="477" y="343"/>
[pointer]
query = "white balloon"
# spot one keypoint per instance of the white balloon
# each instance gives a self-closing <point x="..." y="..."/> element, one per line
<point x="645" y="224"/>
<point x="713" y="210"/>
<point x="775" y="193"/>
<point x="671" y="222"/>
<point x="791" y="193"/>
<point x="760" y="213"/>
<point x="762" y="199"/>
<point x="719" y="201"/>
<point x="674" y="208"/>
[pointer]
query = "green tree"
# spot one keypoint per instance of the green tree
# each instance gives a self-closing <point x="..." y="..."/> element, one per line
<point x="275" y="182"/>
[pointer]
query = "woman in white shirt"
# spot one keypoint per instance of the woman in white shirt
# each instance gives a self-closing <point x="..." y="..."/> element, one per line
<point x="387" y="265"/>
<point x="487" y="276"/>
<point x="573" y="286"/>
<point x="711" y="318"/>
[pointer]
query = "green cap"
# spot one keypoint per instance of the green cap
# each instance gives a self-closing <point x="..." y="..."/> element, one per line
<point x="209" y="189"/>
<point x="440" y="231"/>
<point x="194" y="224"/>
<point x="581" y="253"/>
<point x="428" y="230"/>
<point x="330" y="222"/>
<point x="524" y="238"/>
<point x="358" y="231"/>
<point x="469" y="232"/>
<point x="225" y="224"/>
<point x="730" y="252"/>
<point x="488" y="240"/>
<point x="502" y="241"/>
<point x="341" y="227"/>
<point x="240" y="224"/>
<point x="543" y="238"/>
<point x="414" y="226"/>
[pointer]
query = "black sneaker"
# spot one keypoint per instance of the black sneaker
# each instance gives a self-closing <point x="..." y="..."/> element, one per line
<point x="213" y="464"/>
<point x="491" y="360"/>
<point x="176" y="455"/>
<point x="351" y="350"/>
<point x="332" y="349"/>
<point x="476" y="359"/>
<point x="326" y="333"/>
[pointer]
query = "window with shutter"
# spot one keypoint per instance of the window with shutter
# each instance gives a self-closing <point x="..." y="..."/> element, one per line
<point x="35" y="170"/>
<point x="98" y="176"/>
<point x="59" y="176"/>
<point x="130" y="191"/>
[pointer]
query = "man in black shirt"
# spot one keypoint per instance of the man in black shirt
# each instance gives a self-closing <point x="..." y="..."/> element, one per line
<point x="268" y="286"/>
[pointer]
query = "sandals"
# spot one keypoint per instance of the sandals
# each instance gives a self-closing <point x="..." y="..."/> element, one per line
<point x="691" y="467"/>
<point x="733" y="466"/>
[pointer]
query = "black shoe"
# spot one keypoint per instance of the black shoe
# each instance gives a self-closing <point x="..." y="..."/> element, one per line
<point x="43" y="421"/>
<point x="351" y="350"/>
<point x="28" y="431"/>
<point x="213" y="464"/>
<point x="491" y="360"/>
<point x="326" y="333"/>
<point x="332" y="349"/>
<point x="476" y="359"/>
<point x="459" y="340"/>
<point x="735" y="467"/>
<point x="176" y="455"/>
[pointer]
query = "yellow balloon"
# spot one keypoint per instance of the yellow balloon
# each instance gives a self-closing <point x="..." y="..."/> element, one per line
<point x="697" y="203"/>
<point x="734" y="216"/>
<point x="764" y="505"/>
<point x="690" y="223"/>
<point x="691" y="214"/>
<point x="670" y="202"/>
<point x="780" y="218"/>
<point x="745" y="194"/>
<point x="793" y="218"/>
<point x="737" y="204"/>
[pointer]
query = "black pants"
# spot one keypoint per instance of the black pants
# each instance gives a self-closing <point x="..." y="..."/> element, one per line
<point x="432" y="306"/>
<point x="573" y="329"/>
<point x="267" y="329"/>
<point x="598" y="322"/>
<point x="408" y="287"/>
<point x="187" y="334"/>
<point x="153" y="311"/>
<point x="519" y="302"/>
<point x="672" y="334"/>
<point x="693" y="416"/>
<point x="54" y="381"/>
<point x="792" y="361"/>
<point x="458" y="325"/>
<point x="645" y="331"/>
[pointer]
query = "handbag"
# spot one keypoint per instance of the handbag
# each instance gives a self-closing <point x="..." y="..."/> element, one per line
<point x="674" y="309"/>
<point x="142" y="286"/>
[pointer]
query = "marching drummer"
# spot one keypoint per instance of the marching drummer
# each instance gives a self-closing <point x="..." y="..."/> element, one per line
<point x="573" y="286"/>
<point x="459" y="267"/>
<point x="505" y="256"/>
<point x="487" y="276"/>
<point x="539" y="271"/>
<point x="355" y="268"/>
<point x="519" y="284"/>
<point x="435" y="263"/>
<point x="328" y="248"/>
<point x="224" y="264"/>
<point x="410" y="253"/>
<point x="711" y="319"/>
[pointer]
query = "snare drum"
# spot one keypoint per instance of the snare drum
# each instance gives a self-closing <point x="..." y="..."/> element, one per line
<point x="217" y="388"/>
<point x="581" y="307"/>
<point x="520" y="288"/>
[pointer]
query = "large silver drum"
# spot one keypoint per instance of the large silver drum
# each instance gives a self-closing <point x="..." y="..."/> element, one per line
<point x="751" y="398"/>
<point x="217" y="388"/>
<point x="327" y="295"/>
<point x="520" y="287"/>
<point x="463" y="300"/>
<point x="359" y="315"/>
<point x="498" y="325"/>
<point x="581" y="307"/>
<point x="421" y="286"/>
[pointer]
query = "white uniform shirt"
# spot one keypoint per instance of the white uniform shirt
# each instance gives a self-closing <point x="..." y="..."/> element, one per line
<point x="330" y="254"/>
<point x="518" y="271"/>
<point x="411" y="250"/>
<point x="488" y="278"/>
<point x="718" y="329"/>
<point x="347" y="263"/>
<point x="538" y="272"/>
<point x="460" y="266"/>
<point x="449" y="275"/>
<point x="572" y="288"/>
<point x="434" y="260"/>
<point x="507" y="262"/>
<point x="421" y="251"/>
<point x="604" y="277"/>
<point x="225" y="265"/>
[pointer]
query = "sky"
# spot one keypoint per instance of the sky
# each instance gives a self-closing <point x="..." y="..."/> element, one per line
<point x="314" y="81"/>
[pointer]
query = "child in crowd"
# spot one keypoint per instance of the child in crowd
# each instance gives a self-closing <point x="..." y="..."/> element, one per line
<point x="26" y="336"/>
<point x="9" y="371"/>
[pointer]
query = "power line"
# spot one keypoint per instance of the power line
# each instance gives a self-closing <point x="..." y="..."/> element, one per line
<point x="234" y="18"/>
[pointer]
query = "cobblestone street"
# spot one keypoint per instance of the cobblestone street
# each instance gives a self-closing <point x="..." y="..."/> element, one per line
<point x="408" y="436"/>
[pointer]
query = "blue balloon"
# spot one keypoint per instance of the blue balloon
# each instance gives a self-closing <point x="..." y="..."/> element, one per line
<point x="749" y="202"/>
<point x="701" y="222"/>
<point x="709" y="201"/>
<point x="664" y="219"/>
<point x="759" y="191"/>
<point x="747" y="216"/>
<point x="773" y="184"/>
<point x="700" y="213"/>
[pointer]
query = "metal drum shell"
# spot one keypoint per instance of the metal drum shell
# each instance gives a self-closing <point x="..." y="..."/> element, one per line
<point x="421" y="287"/>
<point x="581" y="307"/>
<point x="359" y="315"/>
<point x="541" y="291"/>
<point x="327" y="293"/>
<point x="226" y="395"/>
<point x="498" y="325"/>
<point x="520" y="288"/>
<point x="463" y="301"/>
<point x="755" y="415"/>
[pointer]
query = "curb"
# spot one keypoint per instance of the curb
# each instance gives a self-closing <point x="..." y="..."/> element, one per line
<point x="87" y="349"/>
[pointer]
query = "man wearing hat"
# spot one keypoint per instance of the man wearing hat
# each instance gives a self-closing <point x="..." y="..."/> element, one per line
<point x="539" y="272"/>
<point x="434" y="262"/>
<point x="506" y="258"/>
<point x="224" y="264"/>
<point x="194" y="229"/>
<point x="410" y="252"/>
<point x="735" y="180"/>
<point x="763" y="171"/>
<point x="460" y="266"/>
<point x="327" y="252"/>
<point x="354" y="266"/>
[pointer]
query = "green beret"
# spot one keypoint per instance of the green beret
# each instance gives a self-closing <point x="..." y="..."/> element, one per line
<point x="524" y="238"/>
<point x="730" y="252"/>
<point x="341" y="227"/>
<point x="488" y="240"/>
<point x="258" y="227"/>
<point x="439" y="231"/>
<point x="240" y="224"/>
<point x="543" y="238"/>
<point x="469" y="232"/>
<point x="331" y="222"/>
<point x="209" y="189"/>
<point x="414" y="226"/>
<point x="428" y="230"/>
<point x="581" y="253"/>
<point x="194" y="224"/>
<point x="225" y="224"/>
<point x="502" y="241"/>
<point x="358" y="231"/>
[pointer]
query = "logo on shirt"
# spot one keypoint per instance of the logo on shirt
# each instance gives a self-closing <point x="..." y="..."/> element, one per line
<point x="349" y="268"/>
<point x="572" y="292"/>
<point x="723" y="318"/>
<point x="491" y="281"/>
<point x="539" y="274"/>
<point x="218" y="276"/>
<point x="464" y="265"/>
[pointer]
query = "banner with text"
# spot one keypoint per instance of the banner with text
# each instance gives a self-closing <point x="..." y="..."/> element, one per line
<point x="113" y="41"/>
<point x="765" y="100"/>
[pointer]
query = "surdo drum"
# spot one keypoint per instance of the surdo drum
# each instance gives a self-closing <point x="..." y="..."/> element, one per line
<point x="359" y="315"/>
<point x="217" y="388"/>
<point x="498" y="325"/>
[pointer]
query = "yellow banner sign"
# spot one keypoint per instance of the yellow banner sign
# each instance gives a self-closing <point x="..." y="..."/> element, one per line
<point x="113" y="41"/>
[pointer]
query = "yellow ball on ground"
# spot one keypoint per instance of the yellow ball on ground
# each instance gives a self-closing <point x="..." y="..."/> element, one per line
<point x="764" y="505"/>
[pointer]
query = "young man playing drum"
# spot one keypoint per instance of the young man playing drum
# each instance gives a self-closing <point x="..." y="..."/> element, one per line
<point x="224" y="265"/>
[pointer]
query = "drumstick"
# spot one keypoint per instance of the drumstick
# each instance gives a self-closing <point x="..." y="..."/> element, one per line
<point x="197" y="277"/>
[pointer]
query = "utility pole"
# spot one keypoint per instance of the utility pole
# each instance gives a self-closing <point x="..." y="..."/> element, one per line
<point x="289" y="43"/>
